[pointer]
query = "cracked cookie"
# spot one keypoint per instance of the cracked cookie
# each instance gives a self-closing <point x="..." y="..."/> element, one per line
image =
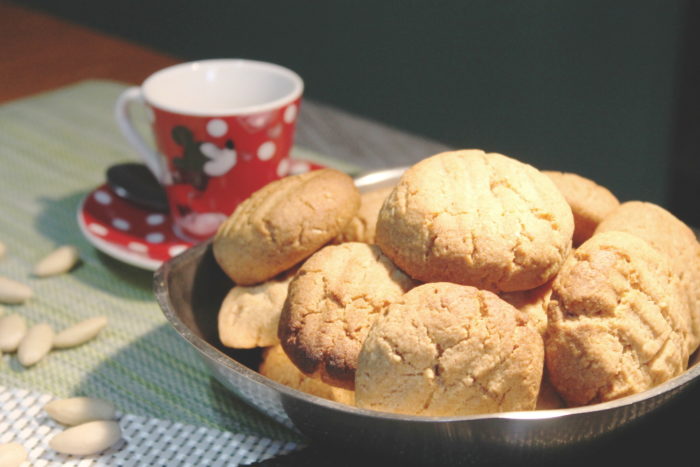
<point x="332" y="302"/>
<point x="590" y="203"/>
<point x="278" y="367"/>
<point x="361" y="228"/>
<point x="476" y="218"/>
<point x="283" y="223"/>
<point x="446" y="349"/>
<point x="249" y="315"/>
<point x="617" y="323"/>
<point x="670" y="236"/>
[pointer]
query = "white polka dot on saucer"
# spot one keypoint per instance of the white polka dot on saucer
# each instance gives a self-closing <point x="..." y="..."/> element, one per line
<point x="127" y="232"/>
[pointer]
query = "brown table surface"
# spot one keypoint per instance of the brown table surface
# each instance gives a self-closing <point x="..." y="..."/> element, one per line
<point x="40" y="53"/>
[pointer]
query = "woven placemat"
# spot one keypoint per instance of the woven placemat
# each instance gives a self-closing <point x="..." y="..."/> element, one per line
<point x="55" y="148"/>
<point x="144" y="440"/>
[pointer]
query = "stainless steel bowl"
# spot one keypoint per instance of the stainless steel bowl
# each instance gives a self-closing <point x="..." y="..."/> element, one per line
<point x="190" y="288"/>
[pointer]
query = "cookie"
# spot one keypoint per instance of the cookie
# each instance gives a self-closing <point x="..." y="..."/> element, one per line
<point x="332" y="302"/>
<point x="284" y="223"/>
<point x="533" y="302"/>
<point x="672" y="237"/>
<point x="478" y="219"/>
<point x="249" y="315"/>
<point x="617" y="324"/>
<point x="361" y="228"/>
<point x="590" y="203"/>
<point x="278" y="367"/>
<point x="548" y="398"/>
<point x="446" y="349"/>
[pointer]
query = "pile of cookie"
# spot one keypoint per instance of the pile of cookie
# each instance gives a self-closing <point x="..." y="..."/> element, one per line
<point x="475" y="284"/>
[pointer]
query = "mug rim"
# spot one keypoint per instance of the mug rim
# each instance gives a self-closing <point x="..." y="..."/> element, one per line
<point x="296" y="92"/>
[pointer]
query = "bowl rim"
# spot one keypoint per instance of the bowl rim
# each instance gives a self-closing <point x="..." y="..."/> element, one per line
<point x="160" y="280"/>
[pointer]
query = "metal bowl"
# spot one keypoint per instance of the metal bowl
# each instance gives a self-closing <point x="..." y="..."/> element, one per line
<point x="190" y="288"/>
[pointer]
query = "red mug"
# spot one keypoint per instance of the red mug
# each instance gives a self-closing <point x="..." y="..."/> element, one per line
<point x="222" y="128"/>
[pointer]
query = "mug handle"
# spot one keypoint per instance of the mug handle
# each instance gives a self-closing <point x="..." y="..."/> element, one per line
<point x="121" y="113"/>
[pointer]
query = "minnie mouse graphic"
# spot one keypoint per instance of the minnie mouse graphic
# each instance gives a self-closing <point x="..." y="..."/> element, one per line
<point x="199" y="162"/>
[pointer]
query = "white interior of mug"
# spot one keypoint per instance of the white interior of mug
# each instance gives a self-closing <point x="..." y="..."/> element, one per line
<point x="222" y="87"/>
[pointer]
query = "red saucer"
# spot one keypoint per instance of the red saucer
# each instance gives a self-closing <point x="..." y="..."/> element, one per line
<point x="128" y="232"/>
<point x="133" y="234"/>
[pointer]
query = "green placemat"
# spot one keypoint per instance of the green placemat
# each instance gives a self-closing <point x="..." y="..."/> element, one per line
<point x="54" y="149"/>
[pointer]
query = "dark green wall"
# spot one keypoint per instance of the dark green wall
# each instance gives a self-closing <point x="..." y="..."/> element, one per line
<point x="581" y="85"/>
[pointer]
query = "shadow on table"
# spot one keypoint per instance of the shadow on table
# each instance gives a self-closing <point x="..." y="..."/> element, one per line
<point x="57" y="221"/>
<point x="158" y="375"/>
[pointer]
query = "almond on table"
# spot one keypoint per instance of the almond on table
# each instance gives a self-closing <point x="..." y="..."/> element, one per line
<point x="79" y="333"/>
<point x="12" y="330"/>
<point x="12" y="454"/>
<point x="59" y="261"/>
<point x="35" y="344"/>
<point x="78" y="410"/>
<point x="87" y="439"/>
<point x="14" y="292"/>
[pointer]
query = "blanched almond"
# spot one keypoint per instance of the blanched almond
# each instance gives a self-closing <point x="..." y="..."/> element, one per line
<point x="59" y="261"/>
<point x="79" y="333"/>
<point x="12" y="291"/>
<point x="77" y="410"/>
<point x="13" y="328"/>
<point x="35" y="344"/>
<point x="3" y="249"/>
<point x="12" y="454"/>
<point x="87" y="439"/>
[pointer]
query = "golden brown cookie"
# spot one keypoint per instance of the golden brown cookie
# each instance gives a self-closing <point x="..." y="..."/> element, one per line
<point x="617" y="323"/>
<point x="283" y="223"/>
<point x="446" y="349"/>
<point x="548" y="398"/>
<point x="672" y="237"/>
<point x="533" y="302"/>
<point x="361" y="228"/>
<point x="249" y="315"/>
<point x="278" y="367"/>
<point x="590" y="203"/>
<point x="332" y="302"/>
<point x="476" y="218"/>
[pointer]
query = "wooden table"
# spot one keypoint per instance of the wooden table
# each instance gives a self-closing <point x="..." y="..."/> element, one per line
<point x="40" y="53"/>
